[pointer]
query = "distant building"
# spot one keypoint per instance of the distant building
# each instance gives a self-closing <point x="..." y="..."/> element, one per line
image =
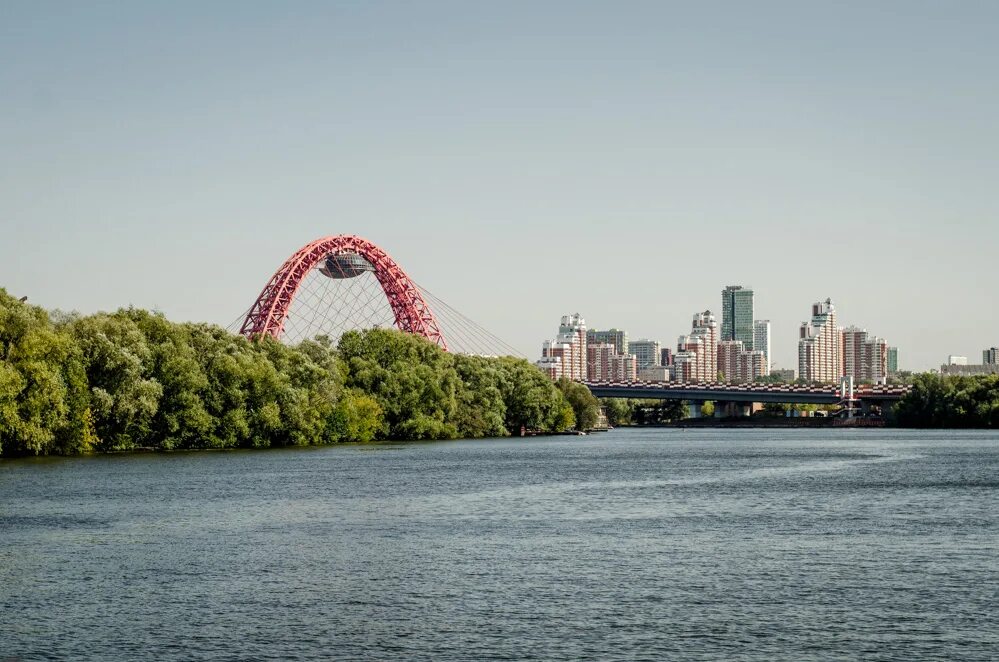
<point x="569" y="347"/>
<point x="893" y="360"/>
<point x="737" y="315"/>
<point x="752" y="364"/>
<point x="819" y="345"/>
<point x="616" y="337"/>
<point x="666" y="356"/>
<point x="598" y="361"/>
<point x="655" y="373"/>
<point x="728" y="359"/>
<point x="853" y="351"/>
<point x="761" y="339"/>
<point x="605" y="364"/>
<point x="551" y="366"/>
<point x="624" y="368"/>
<point x="865" y="357"/>
<point x="874" y="366"/>
<point x="738" y="365"/>
<point x="784" y="374"/>
<point x="966" y="370"/>
<point x="957" y="360"/>
<point x="696" y="359"/>
<point x="647" y="352"/>
<point x="990" y="356"/>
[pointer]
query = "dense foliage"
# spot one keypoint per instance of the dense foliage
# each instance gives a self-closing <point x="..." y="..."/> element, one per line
<point x="622" y="411"/>
<point x="132" y="379"/>
<point x="938" y="401"/>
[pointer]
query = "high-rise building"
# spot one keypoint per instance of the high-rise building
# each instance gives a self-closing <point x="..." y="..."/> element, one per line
<point x="569" y="347"/>
<point x="605" y="364"/>
<point x="696" y="359"/>
<point x="598" y="361"/>
<point x="893" y="360"/>
<point x="990" y="356"/>
<point x="728" y="359"/>
<point x="874" y="367"/>
<point x="616" y="337"/>
<point x="752" y="364"/>
<point x="853" y="352"/>
<point x="551" y="366"/>
<point x="761" y="340"/>
<point x="737" y="315"/>
<point x="739" y="365"/>
<point x="666" y="356"/>
<point x="953" y="359"/>
<point x="819" y="345"/>
<point x="647" y="352"/>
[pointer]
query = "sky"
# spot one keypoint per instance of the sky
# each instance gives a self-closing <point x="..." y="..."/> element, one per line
<point x="523" y="160"/>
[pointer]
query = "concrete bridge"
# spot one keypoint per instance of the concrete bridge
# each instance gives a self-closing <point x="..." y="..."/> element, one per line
<point x="745" y="395"/>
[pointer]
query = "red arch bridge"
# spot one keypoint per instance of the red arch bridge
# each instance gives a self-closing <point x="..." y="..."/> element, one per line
<point x="344" y="282"/>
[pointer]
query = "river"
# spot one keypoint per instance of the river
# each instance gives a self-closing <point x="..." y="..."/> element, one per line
<point x="637" y="544"/>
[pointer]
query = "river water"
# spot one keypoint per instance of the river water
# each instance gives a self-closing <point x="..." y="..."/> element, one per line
<point x="632" y="544"/>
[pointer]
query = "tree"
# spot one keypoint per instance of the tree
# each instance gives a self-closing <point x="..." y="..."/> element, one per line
<point x="618" y="411"/>
<point x="43" y="403"/>
<point x="585" y="408"/>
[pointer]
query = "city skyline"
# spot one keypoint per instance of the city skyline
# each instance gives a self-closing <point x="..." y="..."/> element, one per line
<point x="173" y="156"/>
<point x="825" y="346"/>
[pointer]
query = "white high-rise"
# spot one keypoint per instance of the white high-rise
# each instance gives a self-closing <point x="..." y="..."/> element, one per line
<point x="820" y="357"/>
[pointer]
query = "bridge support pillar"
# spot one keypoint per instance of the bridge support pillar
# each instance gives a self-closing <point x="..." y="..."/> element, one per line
<point x="721" y="409"/>
<point x="694" y="410"/>
<point x="745" y="410"/>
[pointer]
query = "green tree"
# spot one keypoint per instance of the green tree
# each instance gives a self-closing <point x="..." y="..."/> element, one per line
<point x="585" y="407"/>
<point x="618" y="410"/>
<point x="43" y="403"/>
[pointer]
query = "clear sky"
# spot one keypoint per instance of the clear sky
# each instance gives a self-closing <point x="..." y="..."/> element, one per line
<point x="625" y="160"/>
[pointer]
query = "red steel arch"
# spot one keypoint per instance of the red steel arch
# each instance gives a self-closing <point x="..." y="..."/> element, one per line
<point x="269" y="311"/>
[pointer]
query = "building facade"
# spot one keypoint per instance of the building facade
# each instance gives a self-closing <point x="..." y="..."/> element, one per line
<point x="655" y="373"/>
<point x="738" y="365"/>
<point x="761" y="339"/>
<point x="820" y="346"/>
<point x="737" y="315"/>
<point x="569" y="347"/>
<point x="853" y="352"/>
<point x="784" y="374"/>
<point x="728" y="359"/>
<point x="624" y="368"/>
<point x="892" y="361"/>
<point x="990" y="356"/>
<point x="874" y="363"/>
<point x="696" y="359"/>
<point x="551" y="366"/>
<point x="647" y="352"/>
<point x="616" y="337"/>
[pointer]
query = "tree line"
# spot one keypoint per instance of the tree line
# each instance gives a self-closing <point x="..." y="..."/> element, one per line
<point x="949" y="401"/>
<point x="132" y="379"/>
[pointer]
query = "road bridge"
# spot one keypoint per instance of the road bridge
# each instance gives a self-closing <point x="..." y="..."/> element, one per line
<point x="864" y="396"/>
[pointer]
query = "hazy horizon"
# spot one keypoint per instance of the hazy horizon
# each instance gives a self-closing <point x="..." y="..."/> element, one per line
<point x="522" y="161"/>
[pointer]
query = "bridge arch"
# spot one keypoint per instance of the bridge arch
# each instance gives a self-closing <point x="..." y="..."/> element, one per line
<point x="341" y="256"/>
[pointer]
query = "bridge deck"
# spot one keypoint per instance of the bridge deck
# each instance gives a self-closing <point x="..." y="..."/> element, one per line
<point x="763" y="393"/>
